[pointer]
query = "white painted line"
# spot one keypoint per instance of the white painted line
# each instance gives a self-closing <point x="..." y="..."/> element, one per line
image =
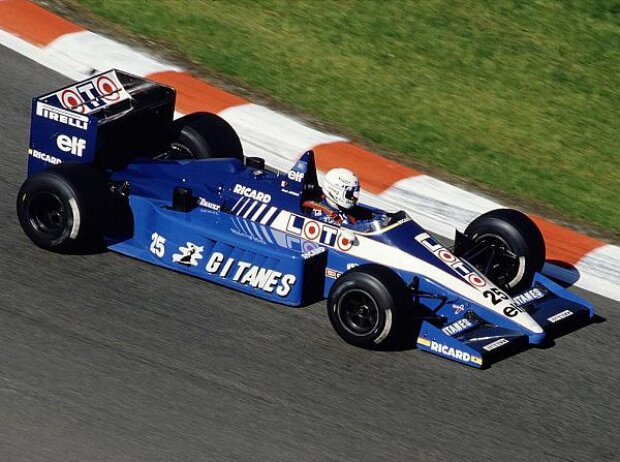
<point x="272" y="135"/>
<point x="37" y="54"/>
<point x="93" y="53"/>
<point x="436" y="205"/>
<point x="600" y="271"/>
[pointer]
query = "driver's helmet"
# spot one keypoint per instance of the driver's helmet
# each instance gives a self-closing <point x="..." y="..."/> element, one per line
<point x="341" y="188"/>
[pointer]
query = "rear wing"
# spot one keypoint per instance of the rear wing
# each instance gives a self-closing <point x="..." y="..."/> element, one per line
<point x="105" y="120"/>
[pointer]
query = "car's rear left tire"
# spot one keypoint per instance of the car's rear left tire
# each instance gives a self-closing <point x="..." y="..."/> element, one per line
<point x="369" y="306"/>
<point x="64" y="208"/>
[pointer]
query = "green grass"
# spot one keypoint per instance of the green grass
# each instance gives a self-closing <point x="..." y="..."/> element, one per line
<point x="522" y="97"/>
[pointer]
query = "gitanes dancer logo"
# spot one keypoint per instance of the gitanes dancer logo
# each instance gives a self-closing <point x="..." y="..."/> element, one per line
<point x="189" y="255"/>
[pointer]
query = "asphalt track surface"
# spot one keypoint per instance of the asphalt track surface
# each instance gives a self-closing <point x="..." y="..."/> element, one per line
<point x="107" y="358"/>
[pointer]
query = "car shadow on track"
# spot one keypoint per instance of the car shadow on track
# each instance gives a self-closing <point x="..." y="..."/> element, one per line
<point x="562" y="272"/>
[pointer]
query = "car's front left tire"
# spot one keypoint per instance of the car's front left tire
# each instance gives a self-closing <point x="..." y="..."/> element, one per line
<point x="369" y="306"/>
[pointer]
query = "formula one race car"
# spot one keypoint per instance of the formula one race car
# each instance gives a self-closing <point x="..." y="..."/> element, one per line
<point x="108" y="165"/>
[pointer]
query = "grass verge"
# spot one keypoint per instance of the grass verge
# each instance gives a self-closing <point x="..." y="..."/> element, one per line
<point x="520" y="97"/>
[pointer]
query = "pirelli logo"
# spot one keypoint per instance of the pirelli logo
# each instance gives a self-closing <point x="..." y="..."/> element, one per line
<point x="62" y="116"/>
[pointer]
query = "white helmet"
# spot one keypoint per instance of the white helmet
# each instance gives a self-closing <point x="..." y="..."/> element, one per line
<point x="341" y="188"/>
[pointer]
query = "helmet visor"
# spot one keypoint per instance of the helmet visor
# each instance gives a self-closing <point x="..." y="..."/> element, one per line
<point x="352" y="193"/>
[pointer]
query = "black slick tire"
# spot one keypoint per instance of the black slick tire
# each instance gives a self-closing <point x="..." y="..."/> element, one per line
<point x="514" y="232"/>
<point x="369" y="306"/>
<point x="64" y="208"/>
<point x="203" y="135"/>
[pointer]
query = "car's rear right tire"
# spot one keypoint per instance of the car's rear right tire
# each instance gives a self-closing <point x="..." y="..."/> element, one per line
<point x="203" y="135"/>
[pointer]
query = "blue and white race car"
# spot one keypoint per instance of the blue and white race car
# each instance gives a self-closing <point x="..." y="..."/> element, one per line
<point x="109" y="166"/>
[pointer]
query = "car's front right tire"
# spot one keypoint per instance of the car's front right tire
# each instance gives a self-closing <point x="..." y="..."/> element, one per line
<point x="507" y="247"/>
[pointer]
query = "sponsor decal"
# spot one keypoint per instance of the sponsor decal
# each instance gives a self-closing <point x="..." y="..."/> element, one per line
<point x="44" y="157"/>
<point x="71" y="144"/>
<point x="511" y="311"/>
<point x="252" y="193"/>
<point x="62" y="116"/>
<point x="469" y="274"/>
<point x="462" y="268"/>
<point x="295" y="176"/>
<point x="458" y="308"/>
<point x="313" y="253"/>
<point x="332" y="273"/>
<point x="157" y="247"/>
<point x="255" y="232"/>
<point x="496" y="295"/>
<point x="529" y="296"/>
<point x="189" y="255"/>
<point x="202" y="202"/>
<point x="283" y="185"/>
<point x="298" y="172"/>
<point x="424" y="341"/>
<point x="558" y="317"/>
<point x="457" y="327"/>
<point x="306" y="246"/>
<point x="96" y="93"/>
<point x="494" y="345"/>
<point x="453" y="353"/>
<point x="317" y="231"/>
<point x="352" y="265"/>
<point x="246" y="273"/>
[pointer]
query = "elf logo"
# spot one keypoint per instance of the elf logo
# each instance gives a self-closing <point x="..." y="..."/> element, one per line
<point x="71" y="144"/>
<point x="296" y="176"/>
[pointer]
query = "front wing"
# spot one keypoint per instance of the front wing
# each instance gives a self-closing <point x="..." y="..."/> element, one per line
<point x="474" y="341"/>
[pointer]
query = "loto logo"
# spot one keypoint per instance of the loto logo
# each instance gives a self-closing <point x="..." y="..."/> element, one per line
<point x="316" y="231"/>
<point x="71" y="144"/>
<point x="93" y="94"/>
<point x="462" y="268"/>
